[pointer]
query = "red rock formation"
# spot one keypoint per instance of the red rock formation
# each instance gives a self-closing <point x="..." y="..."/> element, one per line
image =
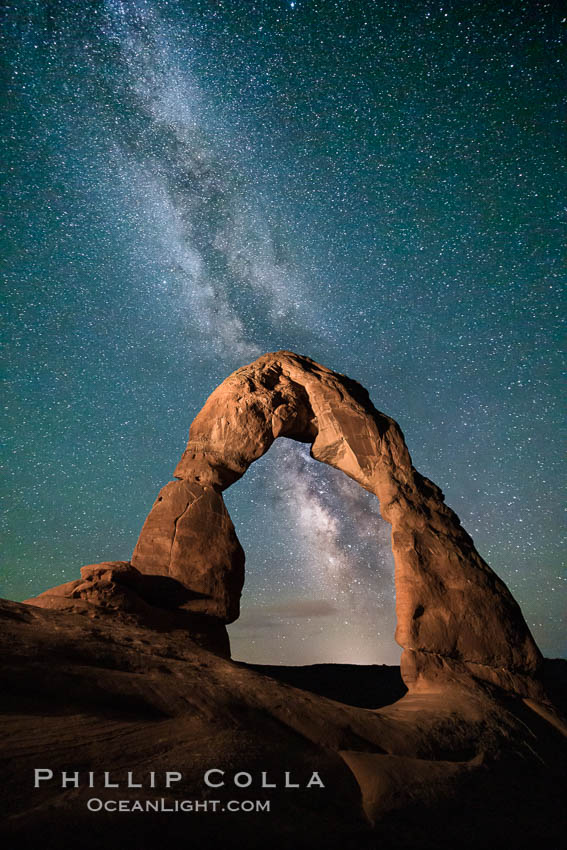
<point x="117" y="590"/>
<point x="189" y="536"/>
<point x="456" y="618"/>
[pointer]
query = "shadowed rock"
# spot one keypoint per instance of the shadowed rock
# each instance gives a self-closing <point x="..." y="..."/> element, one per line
<point x="119" y="590"/>
<point x="91" y="690"/>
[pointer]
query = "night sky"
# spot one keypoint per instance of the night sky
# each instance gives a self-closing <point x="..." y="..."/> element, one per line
<point x="377" y="185"/>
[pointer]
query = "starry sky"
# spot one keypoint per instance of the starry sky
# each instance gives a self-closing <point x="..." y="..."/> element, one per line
<point x="377" y="185"/>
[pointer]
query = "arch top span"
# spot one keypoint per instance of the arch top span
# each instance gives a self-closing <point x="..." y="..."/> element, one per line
<point x="456" y="618"/>
<point x="285" y="395"/>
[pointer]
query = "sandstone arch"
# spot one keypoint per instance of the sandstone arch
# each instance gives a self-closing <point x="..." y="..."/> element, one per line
<point x="456" y="618"/>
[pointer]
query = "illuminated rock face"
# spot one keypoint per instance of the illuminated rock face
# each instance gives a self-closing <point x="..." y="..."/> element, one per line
<point x="189" y="536"/>
<point x="456" y="618"/>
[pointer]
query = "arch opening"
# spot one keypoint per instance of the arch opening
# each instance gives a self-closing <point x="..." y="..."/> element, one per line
<point x="319" y="584"/>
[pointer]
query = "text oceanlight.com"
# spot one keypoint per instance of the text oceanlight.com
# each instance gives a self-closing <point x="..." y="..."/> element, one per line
<point x="95" y="804"/>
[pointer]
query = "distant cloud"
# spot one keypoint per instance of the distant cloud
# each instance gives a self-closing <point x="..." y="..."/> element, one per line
<point x="273" y="616"/>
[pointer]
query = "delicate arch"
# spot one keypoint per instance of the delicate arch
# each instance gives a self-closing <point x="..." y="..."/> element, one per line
<point x="456" y="618"/>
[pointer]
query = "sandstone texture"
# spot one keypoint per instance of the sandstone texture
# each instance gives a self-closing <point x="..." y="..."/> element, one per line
<point x="96" y="691"/>
<point x="189" y="536"/>
<point x="117" y="589"/>
<point x="456" y="618"/>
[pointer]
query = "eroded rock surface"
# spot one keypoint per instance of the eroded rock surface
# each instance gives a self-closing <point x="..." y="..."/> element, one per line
<point x="458" y="767"/>
<point x="189" y="536"/>
<point x="456" y="618"/>
<point x="117" y="591"/>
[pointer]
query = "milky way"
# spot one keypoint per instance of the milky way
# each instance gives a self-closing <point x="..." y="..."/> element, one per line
<point x="378" y="186"/>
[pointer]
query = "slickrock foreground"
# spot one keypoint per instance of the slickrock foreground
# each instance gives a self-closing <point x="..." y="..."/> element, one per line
<point x="129" y="666"/>
<point x="92" y="691"/>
